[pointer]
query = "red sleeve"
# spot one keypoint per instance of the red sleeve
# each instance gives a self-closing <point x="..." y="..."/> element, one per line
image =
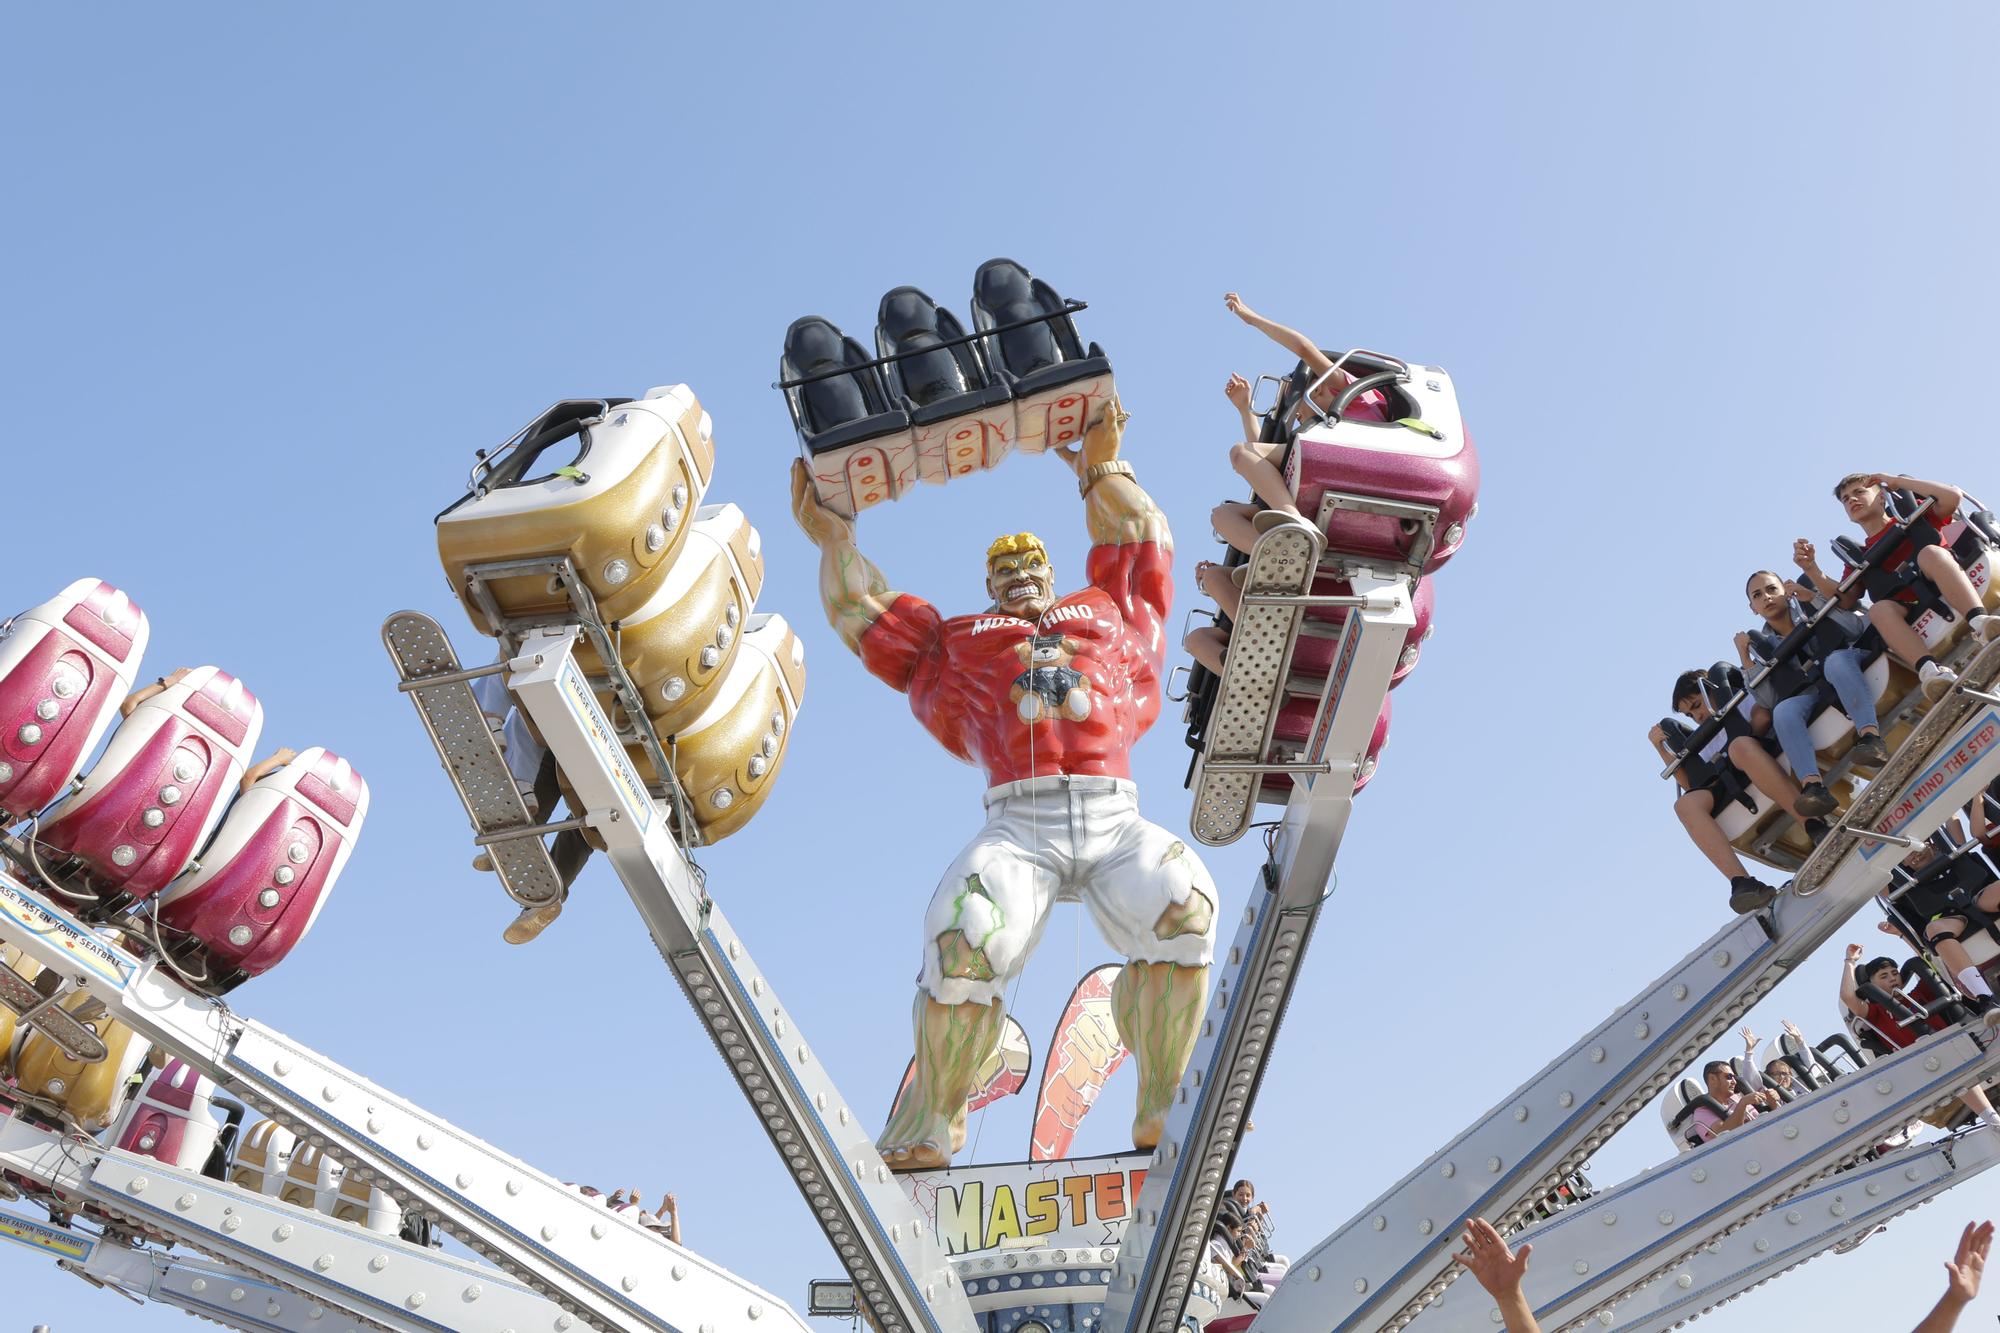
<point x="1138" y="577"/>
<point x="901" y="641"/>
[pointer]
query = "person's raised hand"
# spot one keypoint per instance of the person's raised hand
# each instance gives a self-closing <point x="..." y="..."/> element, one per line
<point x="1853" y="954"/>
<point x="1964" y="1269"/>
<point x="1238" y="307"/>
<point x="1237" y="391"/>
<point x="1792" y="1028"/>
<point x="1804" y="554"/>
<point x="1743" y="641"/>
<point x="820" y="524"/>
<point x="1887" y="929"/>
<point x="1749" y="1038"/>
<point x="1487" y="1258"/>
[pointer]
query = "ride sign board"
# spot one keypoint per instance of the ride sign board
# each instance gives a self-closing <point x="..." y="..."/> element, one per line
<point x="1079" y="1201"/>
<point x="1930" y="785"/>
<point x="78" y="943"/>
<point x="41" y="1236"/>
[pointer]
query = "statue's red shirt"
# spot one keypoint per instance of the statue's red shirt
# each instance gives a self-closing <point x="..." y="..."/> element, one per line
<point x="960" y="673"/>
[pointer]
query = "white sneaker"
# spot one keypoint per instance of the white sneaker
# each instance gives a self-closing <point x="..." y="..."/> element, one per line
<point x="1936" y="680"/>
<point x="1986" y="628"/>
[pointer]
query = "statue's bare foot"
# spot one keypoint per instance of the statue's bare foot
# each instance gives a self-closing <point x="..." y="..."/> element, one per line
<point x="915" y="1140"/>
<point x="920" y="1156"/>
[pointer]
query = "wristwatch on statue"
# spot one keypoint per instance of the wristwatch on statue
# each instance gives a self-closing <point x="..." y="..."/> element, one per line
<point x="1097" y="472"/>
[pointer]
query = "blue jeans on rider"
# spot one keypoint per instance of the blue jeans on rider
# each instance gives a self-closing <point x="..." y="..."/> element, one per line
<point x="1789" y="719"/>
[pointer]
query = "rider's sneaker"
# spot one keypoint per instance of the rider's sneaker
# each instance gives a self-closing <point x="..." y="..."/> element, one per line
<point x="1747" y="894"/>
<point x="532" y="922"/>
<point x="1870" y="750"/>
<point x="1816" y="831"/>
<point x="1986" y="1008"/>
<point x="1987" y="628"/>
<point x="1937" y="680"/>
<point x="1815" y="800"/>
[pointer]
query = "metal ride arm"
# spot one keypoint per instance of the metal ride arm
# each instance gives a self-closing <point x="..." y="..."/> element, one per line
<point x="1837" y="1212"/>
<point x="384" y="1281"/>
<point x="216" y="1292"/>
<point x="1393" y="1257"/>
<point x="1589" y="1255"/>
<point x="899" y="1269"/>
<point x="1164" y="1241"/>
<point x="598" y="1266"/>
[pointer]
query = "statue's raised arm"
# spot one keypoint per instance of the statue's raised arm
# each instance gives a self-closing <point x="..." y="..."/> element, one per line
<point x="850" y="586"/>
<point x="1116" y="510"/>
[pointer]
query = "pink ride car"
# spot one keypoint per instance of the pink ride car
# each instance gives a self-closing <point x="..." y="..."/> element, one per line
<point x="1404" y="486"/>
<point x="264" y="879"/>
<point x="152" y="801"/>
<point x="65" y="666"/>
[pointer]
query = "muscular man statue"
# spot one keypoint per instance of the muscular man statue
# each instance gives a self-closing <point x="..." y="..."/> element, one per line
<point x="1047" y="695"/>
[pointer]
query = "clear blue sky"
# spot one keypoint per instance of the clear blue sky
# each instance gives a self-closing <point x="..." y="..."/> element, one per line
<point x="273" y="272"/>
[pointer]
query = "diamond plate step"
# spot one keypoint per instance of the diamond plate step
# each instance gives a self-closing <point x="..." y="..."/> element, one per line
<point x="37" y="1006"/>
<point x="471" y="756"/>
<point x="1252" y="686"/>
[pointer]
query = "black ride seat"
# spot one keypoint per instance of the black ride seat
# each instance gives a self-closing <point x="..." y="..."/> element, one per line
<point x="1038" y="356"/>
<point x="839" y="410"/>
<point x="935" y="377"/>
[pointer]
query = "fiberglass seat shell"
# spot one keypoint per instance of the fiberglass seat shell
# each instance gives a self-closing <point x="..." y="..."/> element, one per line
<point x="1059" y="387"/>
<point x="91" y="1094"/>
<point x="962" y="419"/>
<point x="169" y="1120"/>
<point x="727" y="758"/>
<point x="149" y="805"/>
<point x="684" y="639"/>
<point x="262" y="882"/>
<point x="65" y="666"/>
<point x="1418" y="455"/>
<point x="610" y="483"/>
<point x="857" y="442"/>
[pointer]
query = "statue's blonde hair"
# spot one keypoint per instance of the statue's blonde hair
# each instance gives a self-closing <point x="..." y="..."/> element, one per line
<point x="1014" y="543"/>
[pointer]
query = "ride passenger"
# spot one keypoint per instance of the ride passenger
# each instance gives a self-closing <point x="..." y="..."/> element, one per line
<point x="1861" y="495"/>
<point x="1790" y="692"/>
<point x="1738" y="1106"/>
<point x="1934" y="906"/>
<point x="1886" y="977"/>
<point x="1783" y="1079"/>
<point x="1700" y="801"/>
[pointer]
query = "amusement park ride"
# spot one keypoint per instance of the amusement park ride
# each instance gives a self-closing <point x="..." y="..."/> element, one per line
<point x="179" y="1151"/>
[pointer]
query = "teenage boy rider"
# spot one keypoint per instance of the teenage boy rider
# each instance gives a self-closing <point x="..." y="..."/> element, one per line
<point x="1861" y="494"/>
<point x="1702" y="793"/>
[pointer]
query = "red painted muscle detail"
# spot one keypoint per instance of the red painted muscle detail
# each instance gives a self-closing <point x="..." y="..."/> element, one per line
<point x="960" y="673"/>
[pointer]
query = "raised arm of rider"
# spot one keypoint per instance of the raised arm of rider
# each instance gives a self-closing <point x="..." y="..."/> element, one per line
<point x="1806" y="556"/>
<point x="1850" y="996"/>
<point x="1962" y="1274"/>
<point x="1304" y="348"/>
<point x="1658" y="737"/>
<point x="1944" y="499"/>
<point x="851" y="588"/>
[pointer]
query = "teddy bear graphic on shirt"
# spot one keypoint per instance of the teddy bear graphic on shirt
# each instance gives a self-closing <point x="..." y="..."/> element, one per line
<point x="1050" y="684"/>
